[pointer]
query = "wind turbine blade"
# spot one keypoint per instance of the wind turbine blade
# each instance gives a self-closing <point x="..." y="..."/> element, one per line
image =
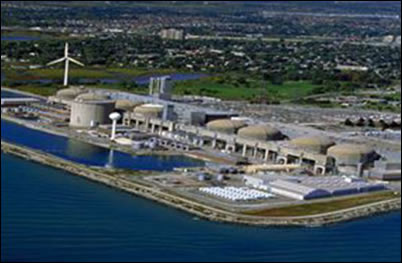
<point x="56" y="61"/>
<point x="66" y="50"/>
<point x="76" y="62"/>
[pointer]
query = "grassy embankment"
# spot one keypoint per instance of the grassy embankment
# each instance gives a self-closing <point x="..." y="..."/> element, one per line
<point x="326" y="207"/>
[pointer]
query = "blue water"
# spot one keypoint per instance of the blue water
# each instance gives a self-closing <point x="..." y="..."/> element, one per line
<point x="6" y="94"/>
<point x="143" y="80"/>
<point x="88" y="154"/>
<point x="49" y="215"/>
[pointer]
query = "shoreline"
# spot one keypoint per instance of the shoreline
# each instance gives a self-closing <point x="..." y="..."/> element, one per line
<point x="195" y="208"/>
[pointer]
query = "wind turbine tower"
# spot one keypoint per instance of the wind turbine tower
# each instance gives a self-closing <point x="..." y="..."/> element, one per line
<point x="66" y="59"/>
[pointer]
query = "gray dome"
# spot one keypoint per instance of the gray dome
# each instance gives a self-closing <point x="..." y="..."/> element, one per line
<point x="226" y="126"/>
<point x="88" y="97"/>
<point x="70" y="94"/>
<point x="127" y="105"/>
<point x="261" y="133"/>
<point x="149" y="110"/>
<point x="352" y="154"/>
<point x="315" y="143"/>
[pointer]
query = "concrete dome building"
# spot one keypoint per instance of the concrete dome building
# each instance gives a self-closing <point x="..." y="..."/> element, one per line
<point x="90" y="110"/>
<point x="66" y="96"/>
<point x="87" y="97"/>
<point x="70" y="94"/>
<point x="226" y="126"/>
<point x="150" y="110"/>
<point x="127" y="105"/>
<point x="315" y="144"/>
<point x="261" y="133"/>
<point x="352" y="154"/>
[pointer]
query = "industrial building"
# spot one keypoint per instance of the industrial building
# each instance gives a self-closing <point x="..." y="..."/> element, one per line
<point x="386" y="171"/>
<point x="353" y="158"/>
<point x="150" y="110"/>
<point x="306" y="188"/>
<point x="297" y="191"/>
<point x="127" y="105"/>
<point x="261" y="133"/>
<point x="160" y="87"/>
<point x="223" y="133"/>
<point x="172" y="34"/>
<point x="90" y="110"/>
<point x="317" y="144"/>
<point x="226" y="126"/>
<point x="67" y="96"/>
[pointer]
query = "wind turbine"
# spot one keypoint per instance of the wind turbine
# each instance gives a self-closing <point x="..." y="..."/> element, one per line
<point x="67" y="61"/>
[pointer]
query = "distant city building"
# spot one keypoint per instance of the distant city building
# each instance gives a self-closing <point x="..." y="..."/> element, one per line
<point x="352" y="68"/>
<point x="172" y="34"/>
<point x="398" y="40"/>
<point x="389" y="39"/>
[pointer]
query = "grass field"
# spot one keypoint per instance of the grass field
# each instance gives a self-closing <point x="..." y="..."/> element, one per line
<point x="255" y="89"/>
<point x="326" y="207"/>
<point x="226" y="87"/>
<point x="37" y="90"/>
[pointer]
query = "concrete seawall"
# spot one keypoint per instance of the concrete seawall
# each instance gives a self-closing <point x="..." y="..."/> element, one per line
<point x="197" y="209"/>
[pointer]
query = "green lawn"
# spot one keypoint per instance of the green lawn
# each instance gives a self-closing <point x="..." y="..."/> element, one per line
<point x="42" y="91"/>
<point x="254" y="89"/>
<point x="58" y="73"/>
<point x="226" y="87"/>
<point x="326" y="207"/>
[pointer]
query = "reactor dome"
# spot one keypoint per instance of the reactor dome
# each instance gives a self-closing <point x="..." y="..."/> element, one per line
<point x="261" y="133"/>
<point x="89" y="97"/>
<point x="70" y="94"/>
<point x="316" y="144"/>
<point x="127" y="105"/>
<point x="226" y="126"/>
<point x="150" y="110"/>
<point x="352" y="154"/>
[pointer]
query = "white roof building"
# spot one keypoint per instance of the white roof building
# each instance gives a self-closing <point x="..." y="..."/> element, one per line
<point x="296" y="190"/>
<point x="305" y="187"/>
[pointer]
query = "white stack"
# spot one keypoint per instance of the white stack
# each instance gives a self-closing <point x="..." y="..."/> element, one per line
<point x="236" y="194"/>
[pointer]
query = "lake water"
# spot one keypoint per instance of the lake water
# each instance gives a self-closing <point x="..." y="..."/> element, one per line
<point x="89" y="154"/>
<point x="7" y="94"/>
<point x="50" y="215"/>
